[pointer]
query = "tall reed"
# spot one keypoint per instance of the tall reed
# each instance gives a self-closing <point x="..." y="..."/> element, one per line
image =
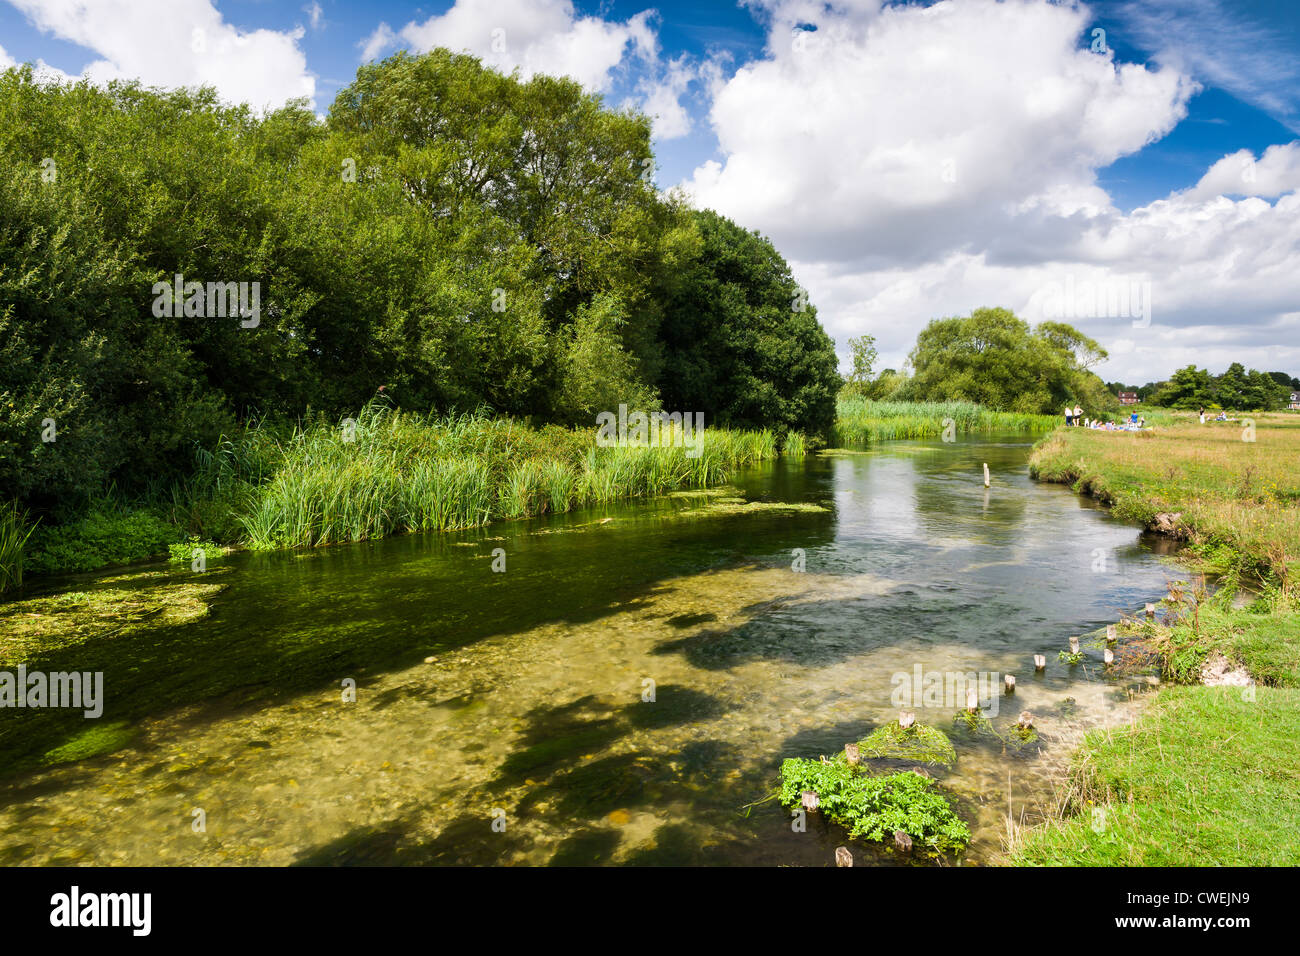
<point x="862" y="421"/>
<point x="14" y="532"/>
<point x="389" y="471"/>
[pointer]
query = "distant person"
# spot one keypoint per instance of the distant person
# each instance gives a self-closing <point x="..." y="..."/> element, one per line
<point x="1069" y="415"/>
<point x="1078" y="415"/>
<point x="1202" y="414"/>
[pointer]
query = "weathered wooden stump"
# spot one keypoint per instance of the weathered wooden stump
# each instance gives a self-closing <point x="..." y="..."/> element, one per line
<point x="906" y="718"/>
<point x="1010" y="681"/>
<point x="852" y="753"/>
<point x="972" y="701"/>
<point x="922" y="772"/>
<point x="1040" y="662"/>
<point x="902" y="841"/>
<point x="843" y="857"/>
<point x="1111" y="634"/>
<point x="1026" y="721"/>
<point x="986" y="474"/>
<point x="1151" y="612"/>
<point x="1074" y="645"/>
<point x="811" y="801"/>
<point x="1108" y="656"/>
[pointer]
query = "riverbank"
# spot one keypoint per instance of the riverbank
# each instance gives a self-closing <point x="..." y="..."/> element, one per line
<point x="383" y="472"/>
<point x="1208" y="775"/>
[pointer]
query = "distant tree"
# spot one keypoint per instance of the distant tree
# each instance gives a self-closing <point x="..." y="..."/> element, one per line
<point x="994" y="358"/>
<point x="1189" y="387"/>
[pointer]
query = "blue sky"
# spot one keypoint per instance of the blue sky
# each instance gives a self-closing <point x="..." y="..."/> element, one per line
<point x="1057" y="161"/>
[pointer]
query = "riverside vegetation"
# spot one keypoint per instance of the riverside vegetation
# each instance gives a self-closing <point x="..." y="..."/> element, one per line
<point x="1208" y="775"/>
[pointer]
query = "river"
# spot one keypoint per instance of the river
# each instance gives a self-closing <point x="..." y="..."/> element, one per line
<point x="503" y="717"/>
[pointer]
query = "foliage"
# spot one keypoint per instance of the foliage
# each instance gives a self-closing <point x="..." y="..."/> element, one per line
<point x="1204" y="778"/>
<point x="918" y="742"/>
<point x="1236" y="388"/>
<point x="111" y="532"/>
<point x="741" y="342"/>
<point x="873" y="807"/>
<point x="451" y="237"/>
<point x="995" y="359"/>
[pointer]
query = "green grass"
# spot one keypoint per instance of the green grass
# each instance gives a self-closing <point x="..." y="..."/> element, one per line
<point x="861" y="421"/>
<point x="1204" y="778"/>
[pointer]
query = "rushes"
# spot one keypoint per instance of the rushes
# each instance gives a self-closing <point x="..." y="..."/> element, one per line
<point x="390" y="471"/>
<point x="14" y="532"/>
<point x="861" y="421"/>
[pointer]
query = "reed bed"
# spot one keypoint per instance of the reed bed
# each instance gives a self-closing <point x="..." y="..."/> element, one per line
<point x="389" y="472"/>
<point x="860" y="421"/>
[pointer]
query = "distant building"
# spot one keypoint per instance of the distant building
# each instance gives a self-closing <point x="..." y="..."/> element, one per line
<point x="1295" y="400"/>
<point x="1131" y="398"/>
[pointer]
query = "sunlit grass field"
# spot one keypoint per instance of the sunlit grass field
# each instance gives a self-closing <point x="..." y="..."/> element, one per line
<point x="1235" y="485"/>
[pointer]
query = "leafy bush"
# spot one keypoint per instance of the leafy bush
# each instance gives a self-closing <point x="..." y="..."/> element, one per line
<point x="874" y="807"/>
<point x="111" y="533"/>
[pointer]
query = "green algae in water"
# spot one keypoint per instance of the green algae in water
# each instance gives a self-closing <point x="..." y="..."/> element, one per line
<point x="92" y="742"/>
<point x="873" y="807"/>
<point x="918" y="742"/>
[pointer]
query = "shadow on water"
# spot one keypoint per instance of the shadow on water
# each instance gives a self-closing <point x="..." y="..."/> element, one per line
<point x="291" y="622"/>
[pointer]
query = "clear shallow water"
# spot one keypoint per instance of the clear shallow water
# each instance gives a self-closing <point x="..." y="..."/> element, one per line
<point x="532" y="704"/>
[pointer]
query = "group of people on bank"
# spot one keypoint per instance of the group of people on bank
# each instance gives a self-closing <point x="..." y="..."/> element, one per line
<point x="1074" y="417"/>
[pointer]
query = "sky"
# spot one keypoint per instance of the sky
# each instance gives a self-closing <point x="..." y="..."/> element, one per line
<point x="1129" y="166"/>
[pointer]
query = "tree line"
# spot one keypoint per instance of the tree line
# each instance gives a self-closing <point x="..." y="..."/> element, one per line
<point x="449" y="236"/>
<point x="1236" y="388"/>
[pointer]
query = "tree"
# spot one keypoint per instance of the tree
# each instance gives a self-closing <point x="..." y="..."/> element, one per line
<point x="741" y="342"/>
<point x="1188" y="387"/>
<point x="994" y="358"/>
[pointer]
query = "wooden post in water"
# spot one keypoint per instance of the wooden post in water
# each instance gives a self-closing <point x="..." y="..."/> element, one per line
<point x="1010" y="681"/>
<point x="1151" y="612"/>
<point x="1111" y="635"/>
<point x="972" y="701"/>
<point x="1074" y="645"/>
<point x="852" y="754"/>
<point x="986" y="474"/>
<point x="1040" y="662"/>
<point x="906" y="718"/>
<point x="1026" y="720"/>
<point x="810" y="801"/>
<point x="1109" y="656"/>
<point x="843" y="857"/>
<point x="902" y="841"/>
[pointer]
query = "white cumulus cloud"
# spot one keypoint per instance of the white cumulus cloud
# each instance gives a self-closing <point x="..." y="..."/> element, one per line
<point x="174" y="43"/>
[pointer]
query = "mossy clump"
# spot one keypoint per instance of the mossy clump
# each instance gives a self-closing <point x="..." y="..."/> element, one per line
<point x="918" y="742"/>
<point x="96" y="740"/>
<point x="874" y="807"/>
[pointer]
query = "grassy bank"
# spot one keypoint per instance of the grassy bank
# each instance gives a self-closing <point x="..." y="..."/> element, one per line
<point x="1208" y="775"/>
<point x="384" y="472"/>
<point x="861" y="421"/>
<point x="1204" y="778"/>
